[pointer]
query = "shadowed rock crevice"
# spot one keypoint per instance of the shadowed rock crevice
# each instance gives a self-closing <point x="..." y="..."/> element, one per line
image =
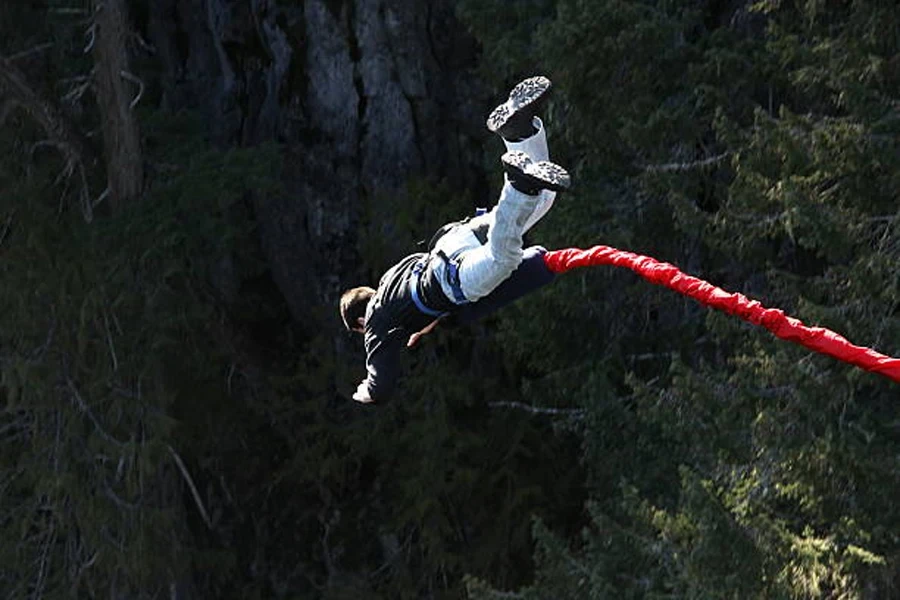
<point x="363" y="95"/>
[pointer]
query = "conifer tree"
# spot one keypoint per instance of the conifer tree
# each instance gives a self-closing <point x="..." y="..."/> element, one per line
<point x="756" y="149"/>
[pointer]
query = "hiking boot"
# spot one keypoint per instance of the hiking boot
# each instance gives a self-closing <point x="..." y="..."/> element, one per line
<point x="530" y="177"/>
<point x="513" y="119"/>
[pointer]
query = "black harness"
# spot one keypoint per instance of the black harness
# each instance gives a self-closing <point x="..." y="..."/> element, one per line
<point x="453" y="263"/>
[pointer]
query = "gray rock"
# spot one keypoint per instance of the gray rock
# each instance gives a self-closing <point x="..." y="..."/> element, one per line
<point x="363" y="94"/>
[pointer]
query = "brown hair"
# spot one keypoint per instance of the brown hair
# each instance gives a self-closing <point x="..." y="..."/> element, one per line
<point x="353" y="305"/>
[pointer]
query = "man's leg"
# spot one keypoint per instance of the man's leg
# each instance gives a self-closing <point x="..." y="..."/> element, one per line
<point x="527" y="194"/>
<point x="517" y="124"/>
<point x="536" y="149"/>
<point x="484" y="267"/>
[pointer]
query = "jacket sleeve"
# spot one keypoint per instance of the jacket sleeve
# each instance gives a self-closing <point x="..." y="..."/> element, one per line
<point x="383" y="363"/>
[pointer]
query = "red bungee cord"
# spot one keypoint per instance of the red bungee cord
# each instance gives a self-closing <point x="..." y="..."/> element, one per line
<point x="788" y="328"/>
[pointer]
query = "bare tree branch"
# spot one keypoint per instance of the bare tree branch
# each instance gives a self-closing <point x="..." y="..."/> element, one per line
<point x="687" y="166"/>
<point x="537" y="410"/>
<point x="39" y="352"/>
<point x="86" y="410"/>
<point x="85" y="566"/>
<point x="60" y="133"/>
<point x="68" y="11"/>
<point x="16" y="427"/>
<point x="46" y="144"/>
<point x="134" y="79"/>
<point x="101" y="197"/>
<point x="109" y="341"/>
<point x="25" y="53"/>
<point x="120" y="468"/>
<point x="87" y="209"/>
<point x="83" y="84"/>
<point x="42" y="570"/>
<point x="92" y="32"/>
<point x="5" y="109"/>
<point x="147" y="46"/>
<point x="7" y="228"/>
<point x="506" y="595"/>
<point x="883" y="218"/>
<point x="119" y="501"/>
<point x="190" y="482"/>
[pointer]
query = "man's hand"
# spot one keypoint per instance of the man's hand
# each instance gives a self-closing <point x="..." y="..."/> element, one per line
<point x="414" y="338"/>
<point x="362" y="393"/>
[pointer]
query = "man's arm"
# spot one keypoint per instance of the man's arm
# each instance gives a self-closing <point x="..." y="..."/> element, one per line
<point x="414" y="338"/>
<point x="382" y="365"/>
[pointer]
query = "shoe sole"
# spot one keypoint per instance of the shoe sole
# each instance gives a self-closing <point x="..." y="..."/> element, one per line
<point x="543" y="174"/>
<point x="524" y="95"/>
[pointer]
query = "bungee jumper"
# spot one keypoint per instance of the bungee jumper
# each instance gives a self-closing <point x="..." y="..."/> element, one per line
<point x="475" y="266"/>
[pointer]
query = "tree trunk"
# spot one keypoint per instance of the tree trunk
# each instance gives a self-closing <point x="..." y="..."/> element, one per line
<point x="115" y="98"/>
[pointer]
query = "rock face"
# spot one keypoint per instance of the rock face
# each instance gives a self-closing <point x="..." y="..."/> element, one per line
<point x="361" y="93"/>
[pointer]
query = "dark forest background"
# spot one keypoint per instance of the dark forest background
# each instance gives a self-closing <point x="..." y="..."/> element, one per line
<point x="187" y="185"/>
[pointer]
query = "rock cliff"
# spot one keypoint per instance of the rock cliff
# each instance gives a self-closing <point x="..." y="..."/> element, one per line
<point x="361" y="95"/>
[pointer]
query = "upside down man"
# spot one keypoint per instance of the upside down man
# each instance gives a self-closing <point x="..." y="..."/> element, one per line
<point x="473" y="267"/>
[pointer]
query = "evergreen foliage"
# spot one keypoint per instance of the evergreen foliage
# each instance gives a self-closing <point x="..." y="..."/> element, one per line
<point x="106" y="329"/>
<point x="761" y="154"/>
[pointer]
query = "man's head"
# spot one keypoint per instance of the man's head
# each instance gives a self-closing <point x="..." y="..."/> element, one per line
<point x="353" y="307"/>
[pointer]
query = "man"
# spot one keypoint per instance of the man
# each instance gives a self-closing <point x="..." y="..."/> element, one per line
<point x="473" y="267"/>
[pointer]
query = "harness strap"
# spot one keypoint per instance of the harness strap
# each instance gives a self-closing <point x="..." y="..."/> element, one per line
<point x="418" y="268"/>
<point x="453" y="275"/>
<point x="453" y="262"/>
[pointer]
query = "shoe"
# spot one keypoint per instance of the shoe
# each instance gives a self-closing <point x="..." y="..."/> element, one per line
<point x="530" y="177"/>
<point x="512" y="120"/>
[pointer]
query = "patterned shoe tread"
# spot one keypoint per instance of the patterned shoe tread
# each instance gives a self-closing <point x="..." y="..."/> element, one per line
<point x="553" y="176"/>
<point x="540" y="175"/>
<point x="521" y="100"/>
